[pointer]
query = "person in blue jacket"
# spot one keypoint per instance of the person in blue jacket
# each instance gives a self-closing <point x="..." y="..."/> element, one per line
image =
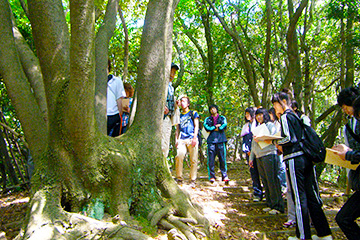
<point x="216" y="125"/>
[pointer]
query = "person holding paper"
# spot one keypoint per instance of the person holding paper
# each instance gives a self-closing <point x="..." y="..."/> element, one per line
<point x="349" y="101"/>
<point x="301" y="173"/>
<point x="267" y="162"/>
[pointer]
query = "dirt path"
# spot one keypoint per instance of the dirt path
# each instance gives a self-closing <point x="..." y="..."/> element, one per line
<point x="232" y="213"/>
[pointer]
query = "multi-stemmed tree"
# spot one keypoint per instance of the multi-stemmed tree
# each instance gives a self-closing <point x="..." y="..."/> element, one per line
<point x="59" y="91"/>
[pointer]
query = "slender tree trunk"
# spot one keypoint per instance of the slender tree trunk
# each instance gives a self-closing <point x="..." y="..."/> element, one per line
<point x="245" y="60"/>
<point x="5" y="158"/>
<point x="349" y="50"/>
<point x="126" y="45"/>
<point x="343" y="84"/>
<point x="205" y="18"/>
<point x="294" y="75"/>
<point x="103" y="37"/>
<point x="265" y="98"/>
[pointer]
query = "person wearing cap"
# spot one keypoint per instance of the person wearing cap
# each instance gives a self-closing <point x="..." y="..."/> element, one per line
<point x="170" y="116"/>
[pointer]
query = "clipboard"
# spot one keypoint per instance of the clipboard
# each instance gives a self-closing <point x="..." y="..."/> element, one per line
<point x="334" y="159"/>
<point x="262" y="133"/>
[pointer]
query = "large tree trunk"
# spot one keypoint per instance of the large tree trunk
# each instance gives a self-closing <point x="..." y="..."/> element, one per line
<point x="77" y="167"/>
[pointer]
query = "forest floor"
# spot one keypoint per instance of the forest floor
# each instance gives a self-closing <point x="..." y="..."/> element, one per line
<point x="230" y="209"/>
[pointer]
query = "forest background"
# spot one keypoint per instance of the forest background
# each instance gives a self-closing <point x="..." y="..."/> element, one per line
<point x="235" y="54"/>
<point x="238" y="53"/>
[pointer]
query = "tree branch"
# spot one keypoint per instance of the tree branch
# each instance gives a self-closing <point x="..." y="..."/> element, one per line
<point x="326" y="113"/>
<point x="102" y="39"/>
<point x="126" y="45"/>
<point x="19" y="89"/>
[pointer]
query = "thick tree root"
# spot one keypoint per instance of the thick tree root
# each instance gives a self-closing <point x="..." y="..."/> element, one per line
<point x="49" y="221"/>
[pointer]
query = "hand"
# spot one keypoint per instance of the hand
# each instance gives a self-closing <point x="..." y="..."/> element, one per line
<point x="341" y="150"/>
<point x="127" y="109"/>
<point x="194" y="141"/>
<point x="279" y="148"/>
<point x="166" y="111"/>
<point x="255" y="139"/>
<point x="218" y="125"/>
<point x="176" y="143"/>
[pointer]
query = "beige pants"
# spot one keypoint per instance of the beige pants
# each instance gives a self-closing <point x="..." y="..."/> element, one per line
<point x="166" y="133"/>
<point x="182" y="148"/>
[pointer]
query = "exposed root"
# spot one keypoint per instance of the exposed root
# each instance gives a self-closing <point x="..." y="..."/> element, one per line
<point x="165" y="224"/>
<point x="174" y="234"/>
<point x="49" y="221"/>
<point x="159" y="215"/>
<point x="184" y="228"/>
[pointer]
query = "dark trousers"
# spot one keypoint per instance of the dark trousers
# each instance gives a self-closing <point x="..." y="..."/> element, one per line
<point x="268" y="167"/>
<point x="113" y="125"/>
<point x="301" y="173"/>
<point x="347" y="215"/>
<point x="217" y="149"/>
<point x="255" y="177"/>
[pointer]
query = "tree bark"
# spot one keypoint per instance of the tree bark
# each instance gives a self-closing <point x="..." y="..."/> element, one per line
<point x="18" y="87"/>
<point x="265" y="98"/>
<point x="79" y="168"/>
<point x="102" y="39"/>
<point x="126" y="45"/>
<point x="349" y="50"/>
<point x="294" y="75"/>
<point x="205" y="19"/>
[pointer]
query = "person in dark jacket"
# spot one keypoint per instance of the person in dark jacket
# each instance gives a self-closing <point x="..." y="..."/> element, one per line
<point x="301" y="173"/>
<point x="216" y="125"/>
<point x="347" y="215"/>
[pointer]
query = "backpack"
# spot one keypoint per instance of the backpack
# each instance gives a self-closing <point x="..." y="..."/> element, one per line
<point x="311" y="144"/>
<point x="199" y="137"/>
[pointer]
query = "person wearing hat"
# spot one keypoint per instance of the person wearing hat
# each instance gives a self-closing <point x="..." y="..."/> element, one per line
<point x="170" y="110"/>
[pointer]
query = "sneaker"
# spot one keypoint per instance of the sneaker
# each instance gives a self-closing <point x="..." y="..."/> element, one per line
<point x="289" y="223"/>
<point x="226" y="180"/>
<point x="315" y="237"/>
<point x="274" y="212"/>
<point x="212" y="180"/>
<point x="293" y="238"/>
<point x="192" y="184"/>
<point x="267" y="209"/>
<point x="257" y="199"/>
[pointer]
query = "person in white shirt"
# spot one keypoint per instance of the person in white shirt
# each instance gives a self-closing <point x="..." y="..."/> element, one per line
<point x="115" y="94"/>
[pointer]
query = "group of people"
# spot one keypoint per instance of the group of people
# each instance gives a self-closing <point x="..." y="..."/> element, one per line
<point x="187" y="135"/>
<point x="118" y="103"/>
<point x="278" y="163"/>
<point x="267" y="158"/>
<point x="176" y="113"/>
